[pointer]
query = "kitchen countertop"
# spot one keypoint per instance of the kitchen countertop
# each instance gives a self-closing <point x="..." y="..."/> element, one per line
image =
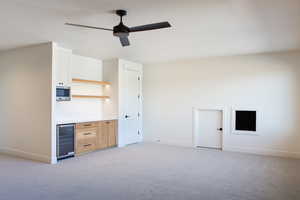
<point x="74" y="121"/>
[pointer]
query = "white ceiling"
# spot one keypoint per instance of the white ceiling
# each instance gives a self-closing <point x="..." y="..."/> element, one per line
<point x="200" y="27"/>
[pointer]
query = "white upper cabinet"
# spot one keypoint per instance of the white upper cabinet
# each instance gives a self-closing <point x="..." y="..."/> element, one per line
<point x="86" y="68"/>
<point x="62" y="63"/>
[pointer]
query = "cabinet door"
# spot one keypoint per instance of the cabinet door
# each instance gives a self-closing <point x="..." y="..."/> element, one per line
<point x="62" y="66"/>
<point x="111" y="132"/>
<point x="102" y="136"/>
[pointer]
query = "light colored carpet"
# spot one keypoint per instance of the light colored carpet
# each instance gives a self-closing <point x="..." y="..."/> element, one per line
<point x="151" y="171"/>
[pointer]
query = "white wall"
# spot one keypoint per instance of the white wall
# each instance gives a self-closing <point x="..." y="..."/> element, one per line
<point x="25" y="88"/>
<point x="111" y="74"/>
<point x="83" y="109"/>
<point x="268" y="82"/>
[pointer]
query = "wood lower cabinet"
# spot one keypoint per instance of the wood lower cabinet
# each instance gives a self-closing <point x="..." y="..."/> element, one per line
<point x="102" y="137"/>
<point x="95" y="135"/>
<point x="107" y="136"/>
<point x="111" y="128"/>
<point x="86" y="139"/>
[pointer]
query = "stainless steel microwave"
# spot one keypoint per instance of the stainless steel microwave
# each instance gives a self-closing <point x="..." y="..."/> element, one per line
<point x="63" y="93"/>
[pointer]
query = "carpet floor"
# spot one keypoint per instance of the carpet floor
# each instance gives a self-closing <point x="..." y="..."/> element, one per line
<point x="150" y="172"/>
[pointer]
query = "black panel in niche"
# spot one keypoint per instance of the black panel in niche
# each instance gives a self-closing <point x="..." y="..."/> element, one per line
<point x="245" y="120"/>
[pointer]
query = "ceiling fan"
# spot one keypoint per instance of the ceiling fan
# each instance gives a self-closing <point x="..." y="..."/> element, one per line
<point x="123" y="31"/>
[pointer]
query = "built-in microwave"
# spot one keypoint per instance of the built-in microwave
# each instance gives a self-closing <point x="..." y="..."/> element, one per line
<point x="63" y="93"/>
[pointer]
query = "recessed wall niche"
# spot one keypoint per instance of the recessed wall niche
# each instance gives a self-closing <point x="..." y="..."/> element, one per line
<point x="245" y="120"/>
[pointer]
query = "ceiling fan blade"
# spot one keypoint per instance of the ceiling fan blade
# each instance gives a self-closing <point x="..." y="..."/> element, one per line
<point x="149" y="27"/>
<point x="84" y="26"/>
<point x="124" y="41"/>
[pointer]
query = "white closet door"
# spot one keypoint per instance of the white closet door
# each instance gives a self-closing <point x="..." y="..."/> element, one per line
<point x="209" y="131"/>
<point x="131" y="102"/>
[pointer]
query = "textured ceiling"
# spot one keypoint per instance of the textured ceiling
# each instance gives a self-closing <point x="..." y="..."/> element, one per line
<point x="201" y="28"/>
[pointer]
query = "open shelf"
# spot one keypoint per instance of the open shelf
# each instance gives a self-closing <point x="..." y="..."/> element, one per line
<point x="90" y="96"/>
<point x="77" y="80"/>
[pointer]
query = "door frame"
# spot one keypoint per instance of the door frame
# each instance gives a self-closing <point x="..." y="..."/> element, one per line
<point x="196" y="118"/>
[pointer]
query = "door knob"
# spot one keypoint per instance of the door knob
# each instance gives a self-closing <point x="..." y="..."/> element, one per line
<point x="220" y="129"/>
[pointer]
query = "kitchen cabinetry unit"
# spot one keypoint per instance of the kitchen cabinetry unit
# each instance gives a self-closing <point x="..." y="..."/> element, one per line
<point x="62" y="61"/>
<point x="92" y="136"/>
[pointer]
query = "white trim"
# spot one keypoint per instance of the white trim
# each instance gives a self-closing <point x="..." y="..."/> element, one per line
<point x="176" y="143"/>
<point x="53" y="104"/>
<point x="210" y="108"/>
<point x="265" y="152"/>
<point x="238" y="132"/>
<point x="27" y="155"/>
<point x="121" y="145"/>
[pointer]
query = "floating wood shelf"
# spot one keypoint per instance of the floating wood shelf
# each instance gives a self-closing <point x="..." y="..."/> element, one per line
<point x="90" y="96"/>
<point x="90" y="81"/>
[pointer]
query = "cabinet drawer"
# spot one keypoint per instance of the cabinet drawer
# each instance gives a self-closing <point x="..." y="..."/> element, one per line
<point x="85" y="147"/>
<point x="86" y="133"/>
<point x="86" y="125"/>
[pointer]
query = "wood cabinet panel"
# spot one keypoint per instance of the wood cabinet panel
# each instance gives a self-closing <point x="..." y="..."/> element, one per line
<point x="111" y="131"/>
<point x="87" y="125"/>
<point x="86" y="133"/>
<point x="85" y="138"/>
<point x="102" y="137"/>
<point x="107" y="134"/>
<point x="85" y="145"/>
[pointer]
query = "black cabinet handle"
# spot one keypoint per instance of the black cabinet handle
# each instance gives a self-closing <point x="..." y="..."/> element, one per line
<point x="220" y="129"/>
<point x="87" y="145"/>
<point x="87" y="133"/>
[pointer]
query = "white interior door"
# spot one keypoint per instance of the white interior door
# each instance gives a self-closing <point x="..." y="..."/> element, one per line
<point x="209" y="129"/>
<point x="132" y="104"/>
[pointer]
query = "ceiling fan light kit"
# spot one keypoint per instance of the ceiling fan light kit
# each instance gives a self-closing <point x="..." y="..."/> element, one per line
<point x="122" y="31"/>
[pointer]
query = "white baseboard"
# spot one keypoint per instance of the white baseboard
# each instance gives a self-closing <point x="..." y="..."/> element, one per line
<point x="267" y="152"/>
<point x="53" y="160"/>
<point x="27" y="155"/>
<point x="170" y="143"/>
<point x="121" y="145"/>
